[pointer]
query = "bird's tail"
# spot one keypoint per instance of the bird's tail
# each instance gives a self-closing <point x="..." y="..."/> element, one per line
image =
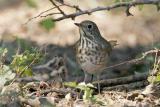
<point x="113" y="43"/>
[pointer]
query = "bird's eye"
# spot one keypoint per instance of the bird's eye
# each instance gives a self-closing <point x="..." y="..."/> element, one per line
<point x="89" y="26"/>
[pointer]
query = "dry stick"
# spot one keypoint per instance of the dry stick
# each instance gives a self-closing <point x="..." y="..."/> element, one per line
<point x="61" y="11"/>
<point x="123" y="80"/>
<point x="71" y="6"/>
<point x="28" y="79"/>
<point x="136" y="60"/>
<point x="126" y="87"/>
<point x="39" y="15"/>
<point x="61" y="91"/>
<point x="156" y="64"/>
<point x="50" y="14"/>
<point x="117" y="5"/>
<point x="128" y="5"/>
<point x="129" y="79"/>
<point x="62" y="4"/>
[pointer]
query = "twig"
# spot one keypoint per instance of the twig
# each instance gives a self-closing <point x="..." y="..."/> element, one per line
<point x="50" y="14"/>
<point x="61" y="91"/>
<point x="126" y="87"/>
<point x="39" y="15"/>
<point x="156" y="64"/>
<point x="72" y="6"/>
<point x="134" y="60"/>
<point x="117" y="5"/>
<point x="30" y="79"/>
<point x="61" y="11"/>
<point x="128" y="5"/>
<point x="123" y="80"/>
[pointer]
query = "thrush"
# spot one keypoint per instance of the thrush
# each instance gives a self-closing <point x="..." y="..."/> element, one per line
<point x="92" y="50"/>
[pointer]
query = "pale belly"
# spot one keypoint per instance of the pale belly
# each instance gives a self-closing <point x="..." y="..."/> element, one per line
<point x="92" y="68"/>
<point x="92" y="65"/>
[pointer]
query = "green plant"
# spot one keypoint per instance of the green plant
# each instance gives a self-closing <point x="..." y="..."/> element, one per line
<point x="22" y="63"/>
<point x="47" y="24"/>
<point x="155" y="72"/>
<point x="87" y="89"/>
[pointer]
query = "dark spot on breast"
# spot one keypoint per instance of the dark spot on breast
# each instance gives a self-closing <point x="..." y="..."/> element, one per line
<point x="81" y="57"/>
<point x="96" y="47"/>
<point x="80" y="51"/>
<point x="99" y="54"/>
<point x="63" y="70"/>
<point x="96" y="57"/>
<point x="60" y="63"/>
<point x="92" y="45"/>
<point x="89" y="53"/>
<point x="86" y="52"/>
<point x="89" y="42"/>
<point x="91" y="59"/>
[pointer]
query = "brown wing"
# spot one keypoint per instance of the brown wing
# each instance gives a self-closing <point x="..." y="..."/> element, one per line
<point x="113" y="43"/>
<point x="106" y="46"/>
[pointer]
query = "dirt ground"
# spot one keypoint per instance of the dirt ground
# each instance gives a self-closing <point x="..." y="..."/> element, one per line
<point x="135" y="35"/>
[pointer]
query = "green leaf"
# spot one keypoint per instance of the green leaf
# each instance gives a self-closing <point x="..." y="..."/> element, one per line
<point x="82" y="86"/>
<point x="31" y="3"/>
<point x="88" y="90"/>
<point x="94" y="99"/>
<point x="22" y="62"/>
<point x="28" y="72"/>
<point x="157" y="78"/>
<point x="87" y="94"/>
<point x="126" y="0"/>
<point x="71" y="84"/>
<point x="47" y="24"/>
<point x="117" y="1"/>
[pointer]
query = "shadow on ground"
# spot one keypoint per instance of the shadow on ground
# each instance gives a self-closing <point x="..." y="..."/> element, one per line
<point x="69" y="65"/>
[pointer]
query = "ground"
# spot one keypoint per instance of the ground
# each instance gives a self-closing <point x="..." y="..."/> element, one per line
<point x="135" y="35"/>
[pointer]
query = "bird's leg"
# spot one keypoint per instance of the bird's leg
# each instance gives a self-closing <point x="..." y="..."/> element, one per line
<point x="86" y="75"/>
<point x="91" y="78"/>
<point x="99" y="88"/>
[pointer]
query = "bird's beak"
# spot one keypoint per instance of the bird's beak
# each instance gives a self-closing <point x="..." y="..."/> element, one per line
<point x="77" y="24"/>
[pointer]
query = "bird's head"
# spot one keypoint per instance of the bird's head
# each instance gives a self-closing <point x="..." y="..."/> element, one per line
<point x="88" y="29"/>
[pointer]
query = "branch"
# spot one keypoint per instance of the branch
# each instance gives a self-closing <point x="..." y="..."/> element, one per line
<point x="80" y="12"/>
<point x="136" y="60"/>
<point x="40" y="14"/>
<point x="54" y="4"/>
<point x="123" y="80"/>
<point x="128" y="5"/>
<point x="127" y="87"/>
